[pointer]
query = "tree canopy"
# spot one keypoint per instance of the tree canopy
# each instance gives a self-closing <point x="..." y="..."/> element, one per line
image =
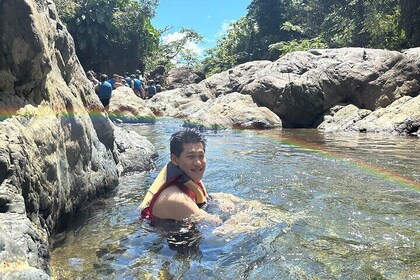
<point x="117" y="35"/>
<point x="111" y="35"/>
<point x="272" y="28"/>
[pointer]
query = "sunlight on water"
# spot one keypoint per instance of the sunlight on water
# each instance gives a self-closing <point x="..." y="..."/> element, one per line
<point x="296" y="204"/>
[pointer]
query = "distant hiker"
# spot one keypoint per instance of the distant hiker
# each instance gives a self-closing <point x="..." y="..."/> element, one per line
<point x="158" y="87"/>
<point x="104" y="90"/>
<point x="114" y="80"/>
<point x="92" y="77"/>
<point x="137" y="86"/>
<point x="129" y="82"/>
<point x="138" y="75"/>
<point x="151" y="89"/>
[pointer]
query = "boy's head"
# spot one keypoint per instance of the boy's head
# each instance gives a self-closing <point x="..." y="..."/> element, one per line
<point x="103" y="77"/>
<point x="185" y="136"/>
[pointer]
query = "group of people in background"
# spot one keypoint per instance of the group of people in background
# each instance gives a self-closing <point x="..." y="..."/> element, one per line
<point x="104" y="86"/>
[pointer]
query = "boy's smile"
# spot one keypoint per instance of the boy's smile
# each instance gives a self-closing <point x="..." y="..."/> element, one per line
<point x="192" y="161"/>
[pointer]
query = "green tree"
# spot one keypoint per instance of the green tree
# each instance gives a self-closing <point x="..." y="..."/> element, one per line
<point x="110" y="35"/>
<point x="232" y="49"/>
<point x="410" y="21"/>
<point x="136" y="38"/>
<point x="272" y="28"/>
<point x="358" y="23"/>
<point x="175" y="51"/>
<point x="268" y="17"/>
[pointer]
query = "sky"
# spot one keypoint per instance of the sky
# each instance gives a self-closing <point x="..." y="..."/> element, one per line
<point x="209" y="18"/>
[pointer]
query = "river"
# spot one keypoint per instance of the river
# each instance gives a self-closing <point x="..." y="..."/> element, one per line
<point x="296" y="204"/>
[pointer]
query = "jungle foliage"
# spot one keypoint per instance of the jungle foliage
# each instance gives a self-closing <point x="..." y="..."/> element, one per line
<point x="117" y="35"/>
<point x="111" y="35"/>
<point x="273" y="28"/>
<point x="169" y="53"/>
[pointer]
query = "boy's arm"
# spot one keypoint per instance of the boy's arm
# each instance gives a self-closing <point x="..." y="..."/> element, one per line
<point x="174" y="204"/>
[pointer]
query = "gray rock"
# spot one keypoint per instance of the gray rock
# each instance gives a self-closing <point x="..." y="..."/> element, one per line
<point x="135" y="151"/>
<point x="232" y="110"/>
<point x="343" y="118"/>
<point x="208" y="105"/>
<point x="182" y="76"/>
<point x="57" y="149"/>
<point x="402" y="117"/>
<point x="303" y="88"/>
<point x="126" y="107"/>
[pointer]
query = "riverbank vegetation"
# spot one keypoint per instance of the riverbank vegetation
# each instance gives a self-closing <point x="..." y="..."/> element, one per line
<point x="273" y="28"/>
<point x="118" y="34"/>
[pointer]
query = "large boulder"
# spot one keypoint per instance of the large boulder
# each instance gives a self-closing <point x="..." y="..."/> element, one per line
<point x="136" y="152"/>
<point x="207" y="104"/>
<point x="342" y="117"/>
<point x="181" y="76"/>
<point x="234" y="80"/>
<point x="171" y="103"/>
<point x="232" y="110"/>
<point x="126" y="107"/>
<point x="301" y="86"/>
<point x="401" y="117"/>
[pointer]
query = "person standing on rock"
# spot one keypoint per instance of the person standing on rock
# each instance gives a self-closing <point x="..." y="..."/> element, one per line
<point x="92" y="77"/>
<point x="104" y="90"/>
<point x="129" y="80"/>
<point x="151" y="89"/>
<point x="178" y="192"/>
<point x="115" y="81"/>
<point x="137" y="86"/>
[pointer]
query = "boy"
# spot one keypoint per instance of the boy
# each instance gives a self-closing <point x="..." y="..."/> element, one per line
<point x="178" y="192"/>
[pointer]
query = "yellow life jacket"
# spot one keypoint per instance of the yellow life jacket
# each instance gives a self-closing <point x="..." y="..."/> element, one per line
<point x="169" y="175"/>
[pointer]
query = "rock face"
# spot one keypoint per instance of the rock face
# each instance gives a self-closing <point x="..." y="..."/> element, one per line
<point x="57" y="148"/>
<point x="302" y="88"/>
<point x="182" y="76"/>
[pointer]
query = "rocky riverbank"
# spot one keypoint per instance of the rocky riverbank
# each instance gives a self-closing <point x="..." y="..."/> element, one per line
<point x="59" y="150"/>
<point x="350" y="89"/>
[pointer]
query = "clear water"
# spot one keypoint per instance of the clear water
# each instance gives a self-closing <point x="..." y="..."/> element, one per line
<point x="296" y="204"/>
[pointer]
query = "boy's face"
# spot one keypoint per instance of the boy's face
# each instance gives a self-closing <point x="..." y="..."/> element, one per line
<point x="192" y="161"/>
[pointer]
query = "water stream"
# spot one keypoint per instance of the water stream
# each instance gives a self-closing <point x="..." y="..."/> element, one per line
<point x="296" y="204"/>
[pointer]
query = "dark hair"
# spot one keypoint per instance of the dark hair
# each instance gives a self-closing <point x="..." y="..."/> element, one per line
<point x="103" y="77"/>
<point x="185" y="136"/>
